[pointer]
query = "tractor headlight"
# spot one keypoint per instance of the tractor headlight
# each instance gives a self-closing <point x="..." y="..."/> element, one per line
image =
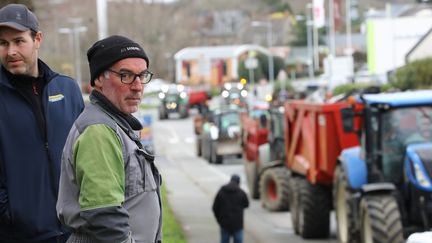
<point x="161" y="95"/>
<point x="420" y="176"/>
<point x="227" y="86"/>
<point x="164" y="88"/>
<point x="240" y="86"/>
<point x="183" y="95"/>
<point x="268" y="98"/>
<point x="243" y="93"/>
<point x="225" y="93"/>
<point x="180" y="88"/>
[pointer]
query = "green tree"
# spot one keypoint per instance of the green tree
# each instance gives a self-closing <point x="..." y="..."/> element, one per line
<point x="278" y="5"/>
<point x="262" y="71"/>
<point x="245" y="73"/>
<point x="414" y="75"/>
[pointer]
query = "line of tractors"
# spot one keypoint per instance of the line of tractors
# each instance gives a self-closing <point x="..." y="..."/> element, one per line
<point x="367" y="156"/>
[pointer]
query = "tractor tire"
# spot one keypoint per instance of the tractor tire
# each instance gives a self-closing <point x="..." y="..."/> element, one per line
<point x="314" y="207"/>
<point x="293" y="199"/>
<point x="206" y="150"/>
<point x="162" y="114"/>
<point x="345" y="219"/>
<point x="198" y="146"/>
<point x="380" y="219"/>
<point x="184" y="111"/>
<point x="251" y="172"/>
<point x="215" y="158"/>
<point x="274" y="190"/>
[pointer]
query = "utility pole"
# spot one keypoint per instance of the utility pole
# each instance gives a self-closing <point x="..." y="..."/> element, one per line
<point x="348" y="27"/>
<point x="74" y="37"/>
<point x="102" y="18"/>
<point x="269" y="35"/>
<point x="309" y="26"/>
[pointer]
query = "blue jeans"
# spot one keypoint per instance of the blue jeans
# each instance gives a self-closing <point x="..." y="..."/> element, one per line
<point x="226" y="235"/>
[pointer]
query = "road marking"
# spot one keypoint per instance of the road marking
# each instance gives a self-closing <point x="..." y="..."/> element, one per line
<point x="174" y="137"/>
<point x="189" y="140"/>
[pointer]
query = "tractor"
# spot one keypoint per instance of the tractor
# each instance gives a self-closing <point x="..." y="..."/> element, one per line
<point x="382" y="188"/>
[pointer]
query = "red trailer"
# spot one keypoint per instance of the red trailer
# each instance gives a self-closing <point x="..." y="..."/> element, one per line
<point x="294" y="167"/>
<point x="314" y="138"/>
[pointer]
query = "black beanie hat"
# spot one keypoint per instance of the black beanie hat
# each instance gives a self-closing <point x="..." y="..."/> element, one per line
<point x="104" y="53"/>
<point x="235" y="178"/>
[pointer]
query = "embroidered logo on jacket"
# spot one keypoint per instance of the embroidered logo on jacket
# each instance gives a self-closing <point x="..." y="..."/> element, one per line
<point x="55" y="98"/>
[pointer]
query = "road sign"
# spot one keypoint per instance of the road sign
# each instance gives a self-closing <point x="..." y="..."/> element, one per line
<point x="251" y="63"/>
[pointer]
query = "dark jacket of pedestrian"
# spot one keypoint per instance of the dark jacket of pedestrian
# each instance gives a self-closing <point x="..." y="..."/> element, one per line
<point x="229" y="205"/>
<point x="37" y="109"/>
<point x="30" y="153"/>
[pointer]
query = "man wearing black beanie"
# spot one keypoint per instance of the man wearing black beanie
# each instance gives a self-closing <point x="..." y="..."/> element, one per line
<point x="109" y="184"/>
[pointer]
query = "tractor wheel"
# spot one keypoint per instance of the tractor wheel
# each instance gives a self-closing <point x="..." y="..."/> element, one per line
<point x="345" y="225"/>
<point x="162" y="114"/>
<point x="293" y="199"/>
<point x="215" y="158"/>
<point x="251" y="172"/>
<point x="314" y="207"/>
<point x="198" y="146"/>
<point x="380" y="219"/>
<point x="206" y="150"/>
<point x="184" y="111"/>
<point x="274" y="189"/>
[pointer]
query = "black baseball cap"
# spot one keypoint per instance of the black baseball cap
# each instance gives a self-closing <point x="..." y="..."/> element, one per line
<point x="19" y="17"/>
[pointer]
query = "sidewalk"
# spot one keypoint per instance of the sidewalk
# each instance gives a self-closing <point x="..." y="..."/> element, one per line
<point x="191" y="189"/>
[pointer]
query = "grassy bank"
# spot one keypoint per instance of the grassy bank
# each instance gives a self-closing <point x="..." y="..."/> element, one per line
<point x="171" y="229"/>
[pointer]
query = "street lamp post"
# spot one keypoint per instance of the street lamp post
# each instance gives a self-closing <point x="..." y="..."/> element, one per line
<point x="309" y="26"/>
<point x="268" y="24"/>
<point x="102" y="18"/>
<point x="75" y="40"/>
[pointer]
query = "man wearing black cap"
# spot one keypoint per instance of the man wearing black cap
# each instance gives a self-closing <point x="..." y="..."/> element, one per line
<point x="37" y="109"/>
<point x="109" y="184"/>
<point x="228" y="208"/>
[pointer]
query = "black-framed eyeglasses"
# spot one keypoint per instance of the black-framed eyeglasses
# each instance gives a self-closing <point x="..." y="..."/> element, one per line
<point x="127" y="77"/>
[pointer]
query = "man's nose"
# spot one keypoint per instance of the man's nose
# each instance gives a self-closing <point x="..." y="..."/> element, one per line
<point x="12" y="50"/>
<point x="136" y="84"/>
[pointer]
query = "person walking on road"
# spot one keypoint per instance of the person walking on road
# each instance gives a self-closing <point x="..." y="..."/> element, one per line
<point x="228" y="208"/>
<point x="109" y="184"/>
<point x="37" y="109"/>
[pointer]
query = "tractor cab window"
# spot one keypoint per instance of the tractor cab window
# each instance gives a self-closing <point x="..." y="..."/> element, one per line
<point x="230" y="119"/>
<point x="402" y="127"/>
<point x="277" y="125"/>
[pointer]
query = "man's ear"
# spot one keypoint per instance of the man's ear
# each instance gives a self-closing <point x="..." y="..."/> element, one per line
<point x="98" y="81"/>
<point x="38" y="39"/>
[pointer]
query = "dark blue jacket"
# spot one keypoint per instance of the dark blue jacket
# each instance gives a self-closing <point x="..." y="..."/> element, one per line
<point x="29" y="165"/>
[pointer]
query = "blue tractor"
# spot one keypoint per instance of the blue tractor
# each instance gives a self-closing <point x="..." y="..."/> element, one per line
<point x="382" y="189"/>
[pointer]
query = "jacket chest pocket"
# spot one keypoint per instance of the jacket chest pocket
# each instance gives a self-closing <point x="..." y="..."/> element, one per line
<point x="138" y="174"/>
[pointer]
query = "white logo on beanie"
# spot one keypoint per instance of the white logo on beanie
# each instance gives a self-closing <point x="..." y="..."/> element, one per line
<point x="130" y="48"/>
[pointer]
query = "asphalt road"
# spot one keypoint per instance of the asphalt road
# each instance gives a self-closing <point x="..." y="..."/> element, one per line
<point x="192" y="184"/>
